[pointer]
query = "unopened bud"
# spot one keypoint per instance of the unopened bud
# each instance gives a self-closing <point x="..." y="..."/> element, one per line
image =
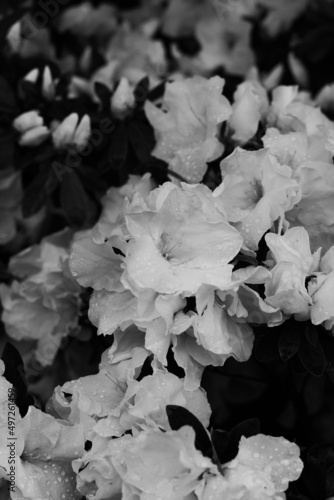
<point x="27" y="121"/>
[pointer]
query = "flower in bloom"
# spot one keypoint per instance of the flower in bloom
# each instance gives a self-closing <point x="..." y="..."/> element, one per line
<point x="44" y="449"/>
<point x="179" y="241"/>
<point x="174" y="242"/>
<point x="265" y="462"/>
<point x="112" y="216"/>
<point x="293" y="263"/>
<point x="321" y="288"/>
<point x="262" y="470"/>
<point x="256" y="191"/>
<point x="163" y="462"/>
<point x="42" y="303"/>
<point x="186" y="127"/>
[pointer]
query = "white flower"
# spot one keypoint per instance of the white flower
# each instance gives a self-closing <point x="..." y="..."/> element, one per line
<point x="123" y="99"/>
<point x="112" y="218"/>
<point x="256" y="191"/>
<point x="250" y="106"/>
<point x="286" y="289"/>
<point x="186" y="127"/>
<point x="71" y="132"/>
<point x="43" y="306"/>
<point x="27" y="121"/>
<point x="179" y="241"/>
<point x="31" y="126"/>
<point x="265" y="464"/>
<point x="154" y="461"/>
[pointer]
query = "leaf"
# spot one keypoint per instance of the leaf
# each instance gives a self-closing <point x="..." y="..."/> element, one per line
<point x="312" y="480"/>
<point x="15" y="374"/>
<point x="30" y="94"/>
<point x="7" y="98"/>
<point x="142" y="139"/>
<point x="266" y="345"/>
<point x="119" y="146"/>
<point x="6" y="148"/>
<point x="312" y="358"/>
<point x="248" y="428"/>
<point x="74" y="200"/>
<point x="179" y="417"/>
<point x="220" y="439"/>
<point x="289" y="343"/>
<point x="311" y="334"/>
<point x="36" y="193"/>
<point x="103" y="93"/>
<point x="330" y="481"/>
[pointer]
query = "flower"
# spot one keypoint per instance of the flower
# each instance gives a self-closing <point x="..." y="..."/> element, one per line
<point x="32" y="129"/>
<point x="154" y="461"/>
<point x="44" y="449"/>
<point x="250" y="106"/>
<point x="286" y="289"/>
<point x="112" y="218"/>
<point x="256" y="191"/>
<point x="123" y="98"/>
<point x="265" y="463"/>
<point x="321" y="291"/>
<point x="69" y="132"/>
<point x="262" y="470"/>
<point x="42" y="304"/>
<point x="186" y="127"/>
<point x="179" y="241"/>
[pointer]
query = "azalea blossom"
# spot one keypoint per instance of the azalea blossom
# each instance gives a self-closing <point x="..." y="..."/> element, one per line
<point x="262" y="470"/>
<point x="42" y="304"/>
<point x="112" y="218"/>
<point x="294" y="262"/>
<point x="249" y="107"/>
<point x="187" y="126"/>
<point x="153" y="462"/>
<point x="255" y="192"/>
<point x="44" y="449"/>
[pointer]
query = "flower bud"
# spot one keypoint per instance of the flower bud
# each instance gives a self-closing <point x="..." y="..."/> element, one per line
<point x="123" y="98"/>
<point x="48" y="87"/>
<point x="27" y="121"/>
<point x="64" y="134"/>
<point x="82" y="132"/>
<point x="32" y="76"/>
<point x="35" y="136"/>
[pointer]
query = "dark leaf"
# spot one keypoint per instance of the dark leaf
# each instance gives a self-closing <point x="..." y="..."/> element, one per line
<point x="119" y="146"/>
<point x="15" y="374"/>
<point x="312" y="358"/>
<point x="74" y="200"/>
<point x="36" y="193"/>
<point x="220" y="440"/>
<point x="7" y="98"/>
<point x="311" y="334"/>
<point x="312" y="481"/>
<point x="330" y="481"/>
<point x="247" y="428"/>
<point x="289" y="343"/>
<point x="6" y="148"/>
<point x="141" y="90"/>
<point x="30" y="94"/>
<point x="103" y="93"/>
<point x="179" y="417"/>
<point x="142" y="138"/>
<point x="266" y="345"/>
